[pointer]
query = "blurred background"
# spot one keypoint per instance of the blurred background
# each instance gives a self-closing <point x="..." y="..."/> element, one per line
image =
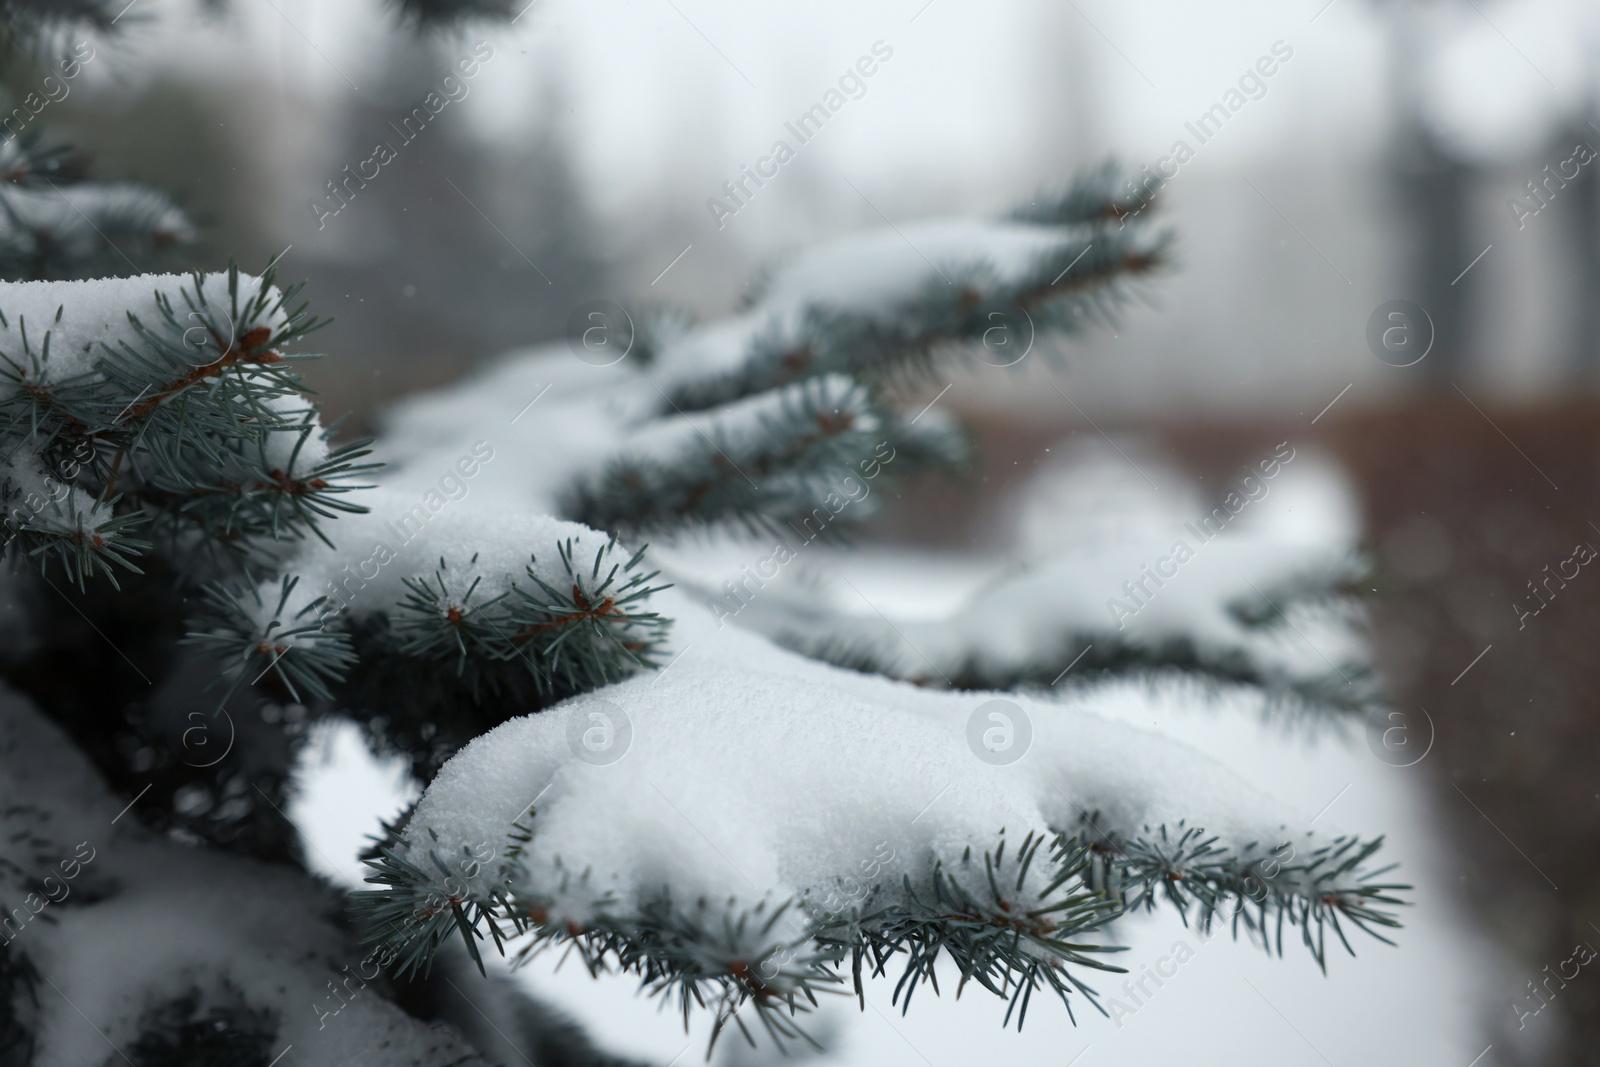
<point x="1443" y="155"/>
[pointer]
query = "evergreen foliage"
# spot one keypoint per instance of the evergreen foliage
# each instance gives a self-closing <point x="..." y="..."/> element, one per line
<point x="56" y="223"/>
<point x="180" y="517"/>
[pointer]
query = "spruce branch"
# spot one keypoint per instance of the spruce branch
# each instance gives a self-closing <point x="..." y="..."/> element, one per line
<point x="1348" y="690"/>
<point x="231" y="504"/>
<point x="1099" y="195"/>
<point x="1089" y="248"/>
<point x="256" y="637"/>
<point x="525" y="647"/>
<point x="84" y="545"/>
<point x="1257" y="889"/>
<point x="1082" y="279"/>
<point x="1000" y="930"/>
<point x="446" y="14"/>
<point x="44" y="23"/>
<point x="579" y="635"/>
<point x="49" y="520"/>
<point x="767" y="463"/>
<point x="1333" y="590"/>
<point x="191" y="421"/>
<point x="56" y="224"/>
<point x="27" y="160"/>
<point x="231" y="352"/>
<point x="1292" y="635"/>
<point x="489" y="657"/>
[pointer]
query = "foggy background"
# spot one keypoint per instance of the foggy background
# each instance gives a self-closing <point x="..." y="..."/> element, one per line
<point x="1384" y="159"/>
<point x="1377" y="160"/>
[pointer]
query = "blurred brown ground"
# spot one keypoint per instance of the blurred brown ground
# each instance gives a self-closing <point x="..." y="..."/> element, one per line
<point x="1462" y="509"/>
<point x="1465" y="508"/>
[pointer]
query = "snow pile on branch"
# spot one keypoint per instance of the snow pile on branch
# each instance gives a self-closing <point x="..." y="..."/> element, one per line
<point x="1112" y="575"/>
<point x="746" y="823"/>
<point x="781" y="755"/>
<point x="747" y="819"/>
<point x="889" y="279"/>
<point x="172" y="403"/>
<point x="72" y="325"/>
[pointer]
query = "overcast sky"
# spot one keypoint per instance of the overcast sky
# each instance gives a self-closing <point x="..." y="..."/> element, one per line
<point x="658" y="87"/>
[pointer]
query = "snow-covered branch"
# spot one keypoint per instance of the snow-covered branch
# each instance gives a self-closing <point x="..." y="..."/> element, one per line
<point x="693" y="825"/>
<point x="612" y="766"/>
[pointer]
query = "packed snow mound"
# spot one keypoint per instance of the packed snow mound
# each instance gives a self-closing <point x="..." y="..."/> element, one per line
<point x="87" y="321"/>
<point x="1031" y="616"/>
<point x="545" y="411"/>
<point x="409" y="534"/>
<point x="744" y="773"/>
